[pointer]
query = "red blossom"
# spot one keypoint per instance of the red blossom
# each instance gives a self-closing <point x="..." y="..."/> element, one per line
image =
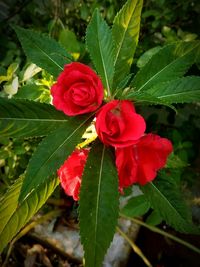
<point x="71" y="171"/>
<point x="118" y="125"/>
<point x="78" y="90"/>
<point x="140" y="162"/>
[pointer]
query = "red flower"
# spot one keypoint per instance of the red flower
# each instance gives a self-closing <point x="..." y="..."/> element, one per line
<point x="78" y="90"/>
<point x="140" y="162"/>
<point x="71" y="171"/>
<point x="118" y="124"/>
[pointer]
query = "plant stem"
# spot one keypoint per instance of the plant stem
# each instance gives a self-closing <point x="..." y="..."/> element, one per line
<point x="136" y="249"/>
<point x="161" y="232"/>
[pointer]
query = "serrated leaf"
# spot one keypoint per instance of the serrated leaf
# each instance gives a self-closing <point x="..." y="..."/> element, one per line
<point x="52" y="152"/>
<point x="143" y="97"/>
<point x="100" y="46"/>
<point x="171" y="62"/>
<point x="42" y="50"/>
<point x="125" y="32"/>
<point x="14" y="216"/>
<point x="24" y="118"/>
<point x="165" y="198"/>
<point x="98" y="210"/>
<point x="136" y="206"/>
<point x="182" y="90"/>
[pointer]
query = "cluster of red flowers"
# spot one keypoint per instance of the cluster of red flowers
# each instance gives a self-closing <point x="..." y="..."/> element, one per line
<point x="139" y="156"/>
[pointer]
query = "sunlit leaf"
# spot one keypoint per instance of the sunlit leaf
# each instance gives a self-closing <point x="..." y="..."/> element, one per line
<point x="126" y="27"/>
<point x="24" y="118"/>
<point x="14" y="216"/>
<point x="100" y="45"/>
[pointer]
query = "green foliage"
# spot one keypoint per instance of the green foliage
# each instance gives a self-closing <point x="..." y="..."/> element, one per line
<point x="159" y="81"/>
<point x="165" y="21"/>
<point x="166" y="199"/>
<point x="100" y="45"/>
<point x="144" y="58"/>
<point x="9" y="203"/>
<point x="14" y="216"/>
<point x="43" y="51"/>
<point x="23" y="118"/>
<point x="154" y="218"/>
<point x="68" y="39"/>
<point x="174" y="162"/>
<point x="136" y="206"/>
<point x="169" y="63"/>
<point x="29" y="91"/>
<point x="51" y="153"/>
<point x="125" y="32"/>
<point x="182" y="90"/>
<point x="14" y="157"/>
<point x="98" y="211"/>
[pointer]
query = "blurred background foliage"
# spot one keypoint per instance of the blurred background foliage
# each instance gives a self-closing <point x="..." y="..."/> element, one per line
<point x="163" y="22"/>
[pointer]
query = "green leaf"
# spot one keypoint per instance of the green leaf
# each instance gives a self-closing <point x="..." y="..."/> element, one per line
<point x="68" y="39"/>
<point x="142" y="97"/>
<point x="100" y="46"/>
<point x="125" y="32"/>
<point x="29" y="91"/>
<point x="171" y="62"/>
<point x="174" y="162"/>
<point x="24" y="118"/>
<point x="52" y="152"/>
<point x="154" y="218"/>
<point x="144" y="58"/>
<point x="136" y="206"/>
<point x="165" y="198"/>
<point x="8" y="203"/>
<point x="14" y="216"/>
<point x="182" y="90"/>
<point x="98" y="210"/>
<point x="43" y="51"/>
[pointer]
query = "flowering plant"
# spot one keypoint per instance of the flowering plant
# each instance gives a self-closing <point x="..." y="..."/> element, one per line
<point x="98" y="103"/>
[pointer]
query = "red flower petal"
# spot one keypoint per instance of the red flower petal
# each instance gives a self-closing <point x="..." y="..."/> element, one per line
<point x="140" y="162"/>
<point x="118" y="125"/>
<point x="70" y="173"/>
<point x="78" y="90"/>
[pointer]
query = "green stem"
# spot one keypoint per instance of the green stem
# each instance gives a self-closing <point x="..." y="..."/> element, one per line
<point x="161" y="232"/>
<point x="134" y="247"/>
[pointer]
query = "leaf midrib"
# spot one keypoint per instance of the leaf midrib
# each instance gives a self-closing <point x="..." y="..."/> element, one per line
<point x="98" y="199"/>
<point x="181" y="93"/>
<point x="102" y="59"/>
<point x="163" y="69"/>
<point x="45" y="53"/>
<point x="36" y="172"/>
